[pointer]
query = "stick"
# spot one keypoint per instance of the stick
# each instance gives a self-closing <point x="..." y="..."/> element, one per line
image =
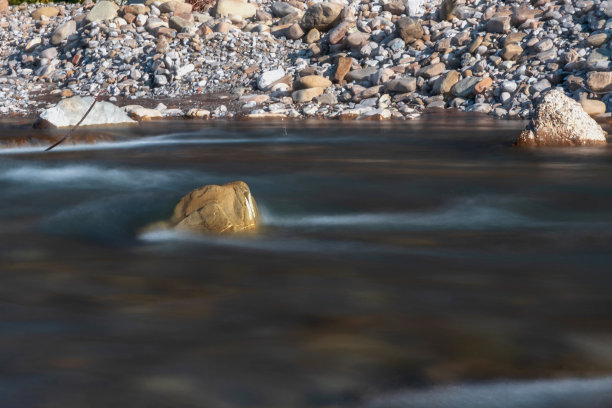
<point x="77" y="125"/>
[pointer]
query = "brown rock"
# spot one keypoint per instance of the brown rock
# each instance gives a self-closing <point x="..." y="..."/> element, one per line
<point x="432" y="70"/>
<point x="135" y="9"/>
<point x="597" y="40"/>
<point x="511" y="52"/>
<point x="343" y="68"/>
<point x="357" y="40"/>
<point x="514" y="38"/>
<point x="522" y="14"/>
<point x="395" y="7"/>
<point x="338" y="32"/>
<point x="600" y="81"/>
<point x="129" y="18"/>
<point x="295" y="32"/>
<point x="447" y="10"/>
<point x="313" y="36"/>
<point x="4" y="5"/>
<point x="312" y="81"/>
<point x="444" y="84"/>
<point x="574" y="82"/>
<point x="409" y="29"/>
<point x="475" y="44"/>
<point x="322" y="16"/>
<point x="45" y="11"/>
<point x="217" y="209"/>
<point x="482" y="85"/>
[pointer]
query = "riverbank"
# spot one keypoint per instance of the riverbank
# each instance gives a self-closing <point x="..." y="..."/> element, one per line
<point x="364" y="59"/>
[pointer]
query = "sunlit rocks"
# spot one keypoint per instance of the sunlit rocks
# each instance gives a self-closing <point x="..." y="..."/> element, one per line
<point x="217" y="209"/>
<point x="561" y="121"/>
<point x="68" y="113"/>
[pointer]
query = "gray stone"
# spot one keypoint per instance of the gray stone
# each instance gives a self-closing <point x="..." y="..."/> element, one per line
<point x="541" y="85"/>
<point x="359" y="75"/>
<point x="62" y="32"/>
<point x="401" y="85"/>
<point x="465" y="87"/>
<point x="49" y="53"/>
<point x="498" y="24"/>
<point x="281" y="9"/>
<point x="322" y="16"/>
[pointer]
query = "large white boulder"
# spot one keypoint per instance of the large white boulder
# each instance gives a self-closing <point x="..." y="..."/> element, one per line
<point x="68" y="112"/>
<point x="561" y="121"/>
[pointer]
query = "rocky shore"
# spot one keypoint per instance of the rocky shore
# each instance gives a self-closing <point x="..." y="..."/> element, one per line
<point x="363" y="59"/>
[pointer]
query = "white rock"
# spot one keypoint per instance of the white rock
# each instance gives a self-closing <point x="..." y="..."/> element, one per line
<point x="68" y="112"/>
<point x="269" y="77"/>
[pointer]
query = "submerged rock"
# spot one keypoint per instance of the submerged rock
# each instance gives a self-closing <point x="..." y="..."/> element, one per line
<point x="68" y="112"/>
<point x="561" y="121"/>
<point x="218" y="209"/>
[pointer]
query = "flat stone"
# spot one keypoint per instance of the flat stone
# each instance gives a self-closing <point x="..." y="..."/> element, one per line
<point x="465" y="87"/>
<point x="597" y="40"/>
<point x="361" y="74"/>
<point x="444" y="84"/>
<point x="282" y="9"/>
<point x="179" y="24"/>
<point x="432" y="70"/>
<point x="312" y="81"/>
<point x="357" y="39"/>
<point x="401" y="85"/>
<point x="306" y="95"/>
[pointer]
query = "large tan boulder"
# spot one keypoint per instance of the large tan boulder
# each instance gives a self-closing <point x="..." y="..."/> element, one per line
<point x="217" y="209"/>
<point x="561" y="121"/>
<point x="227" y="8"/>
<point x="45" y="11"/>
<point x="4" y="5"/>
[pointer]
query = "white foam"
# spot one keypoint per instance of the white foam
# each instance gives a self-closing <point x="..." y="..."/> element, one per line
<point x="91" y="175"/>
<point x="568" y="393"/>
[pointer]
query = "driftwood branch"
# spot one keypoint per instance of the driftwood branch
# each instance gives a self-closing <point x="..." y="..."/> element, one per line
<point x="77" y="125"/>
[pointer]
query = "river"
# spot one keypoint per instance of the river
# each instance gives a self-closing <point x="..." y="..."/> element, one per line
<point x="406" y="264"/>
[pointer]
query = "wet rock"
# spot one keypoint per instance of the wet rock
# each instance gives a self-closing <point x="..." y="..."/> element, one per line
<point x="322" y="16"/>
<point x="409" y="29"/>
<point x="561" y="121"/>
<point x="68" y="113"/>
<point x="217" y="209"/>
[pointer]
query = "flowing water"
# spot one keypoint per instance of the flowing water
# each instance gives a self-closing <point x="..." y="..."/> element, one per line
<point x="410" y="264"/>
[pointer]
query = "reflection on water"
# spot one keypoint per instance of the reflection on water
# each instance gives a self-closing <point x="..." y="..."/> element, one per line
<point x="427" y="256"/>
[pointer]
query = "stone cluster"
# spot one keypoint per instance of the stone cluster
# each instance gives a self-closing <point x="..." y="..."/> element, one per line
<point x="373" y="59"/>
